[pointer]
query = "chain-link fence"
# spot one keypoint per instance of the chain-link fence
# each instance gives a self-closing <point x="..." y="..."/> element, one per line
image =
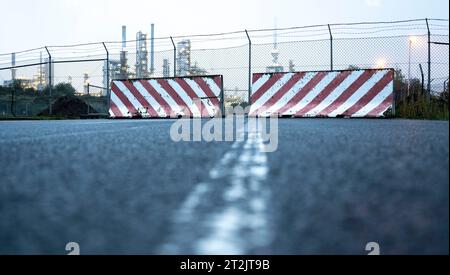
<point x="417" y="49"/>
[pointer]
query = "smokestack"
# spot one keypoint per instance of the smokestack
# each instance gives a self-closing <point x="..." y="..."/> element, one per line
<point x="124" y="37"/>
<point x="152" y="49"/>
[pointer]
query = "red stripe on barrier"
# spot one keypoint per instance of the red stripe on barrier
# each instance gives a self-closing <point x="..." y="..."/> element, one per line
<point x="218" y="81"/>
<point x="131" y="109"/>
<point x="161" y="101"/>
<point x="256" y="77"/>
<point x="376" y="89"/>
<point x="175" y="96"/>
<point x="266" y="86"/>
<point x="140" y="98"/>
<point x="113" y="107"/>
<point x="382" y="107"/>
<point x="302" y="92"/>
<point x="207" y="90"/>
<point x="280" y="93"/>
<point x="324" y="93"/>
<point x="363" y="78"/>
<point x="195" y="97"/>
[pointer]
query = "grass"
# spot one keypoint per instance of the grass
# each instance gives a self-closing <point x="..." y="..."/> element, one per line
<point x="423" y="108"/>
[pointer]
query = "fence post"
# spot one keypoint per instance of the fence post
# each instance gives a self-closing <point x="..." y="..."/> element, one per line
<point x="331" y="47"/>
<point x="87" y="98"/>
<point x="429" y="60"/>
<point x="222" y="97"/>
<point x="108" y="92"/>
<point x="422" y="78"/>
<point x="13" y="84"/>
<point x="249" y="68"/>
<point x="13" y="64"/>
<point x="174" y="58"/>
<point x="49" y="81"/>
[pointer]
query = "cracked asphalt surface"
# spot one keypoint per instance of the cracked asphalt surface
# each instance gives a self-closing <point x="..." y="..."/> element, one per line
<point x="115" y="186"/>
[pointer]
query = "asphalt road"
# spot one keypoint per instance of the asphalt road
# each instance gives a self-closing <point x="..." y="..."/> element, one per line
<point x="124" y="187"/>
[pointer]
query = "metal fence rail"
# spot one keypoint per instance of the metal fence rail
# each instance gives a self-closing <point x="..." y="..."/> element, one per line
<point x="415" y="48"/>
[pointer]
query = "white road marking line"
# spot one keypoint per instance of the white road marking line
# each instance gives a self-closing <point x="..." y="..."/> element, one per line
<point x="187" y="210"/>
<point x="239" y="225"/>
<point x="228" y="225"/>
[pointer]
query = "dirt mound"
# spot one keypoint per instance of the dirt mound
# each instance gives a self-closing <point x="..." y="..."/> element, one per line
<point x="70" y="107"/>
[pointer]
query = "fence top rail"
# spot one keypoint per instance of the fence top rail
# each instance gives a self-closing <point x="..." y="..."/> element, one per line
<point x="328" y="71"/>
<point x="169" y="78"/>
<point x="238" y="32"/>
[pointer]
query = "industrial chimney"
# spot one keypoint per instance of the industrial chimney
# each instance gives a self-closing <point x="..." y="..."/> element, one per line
<point x="152" y="49"/>
<point x="124" y="37"/>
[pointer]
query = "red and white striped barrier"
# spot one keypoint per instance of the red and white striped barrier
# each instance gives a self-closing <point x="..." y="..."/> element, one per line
<point x="351" y="93"/>
<point x="166" y="97"/>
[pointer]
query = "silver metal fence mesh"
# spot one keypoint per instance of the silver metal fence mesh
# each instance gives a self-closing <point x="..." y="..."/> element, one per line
<point x="405" y="46"/>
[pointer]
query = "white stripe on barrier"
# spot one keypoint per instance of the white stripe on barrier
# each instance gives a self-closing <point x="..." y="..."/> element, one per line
<point x="292" y="92"/>
<point x="173" y="105"/>
<point x="185" y="97"/>
<point x="137" y="105"/>
<point x="270" y="92"/>
<point x="260" y="82"/>
<point x="380" y="97"/>
<point x="313" y="93"/>
<point x="359" y="93"/>
<point x="200" y="93"/>
<point x="213" y="86"/>
<point x="335" y="93"/>
<point x="120" y="105"/>
<point x="150" y="99"/>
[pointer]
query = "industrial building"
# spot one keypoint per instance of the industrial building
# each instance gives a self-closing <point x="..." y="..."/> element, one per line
<point x="166" y="68"/>
<point x="141" y="56"/>
<point x="184" y="63"/>
<point x="183" y="57"/>
<point x="120" y="69"/>
<point x="38" y="81"/>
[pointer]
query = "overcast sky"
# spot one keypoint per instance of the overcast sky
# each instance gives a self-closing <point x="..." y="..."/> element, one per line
<point x="28" y="23"/>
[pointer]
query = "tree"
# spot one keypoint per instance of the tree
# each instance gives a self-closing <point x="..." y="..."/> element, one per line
<point x="353" y="67"/>
<point x="444" y="95"/>
<point x="63" y="89"/>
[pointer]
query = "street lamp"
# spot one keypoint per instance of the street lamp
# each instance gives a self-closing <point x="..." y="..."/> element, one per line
<point x="380" y="63"/>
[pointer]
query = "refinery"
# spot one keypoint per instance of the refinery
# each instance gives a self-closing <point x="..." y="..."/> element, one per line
<point x="121" y="66"/>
